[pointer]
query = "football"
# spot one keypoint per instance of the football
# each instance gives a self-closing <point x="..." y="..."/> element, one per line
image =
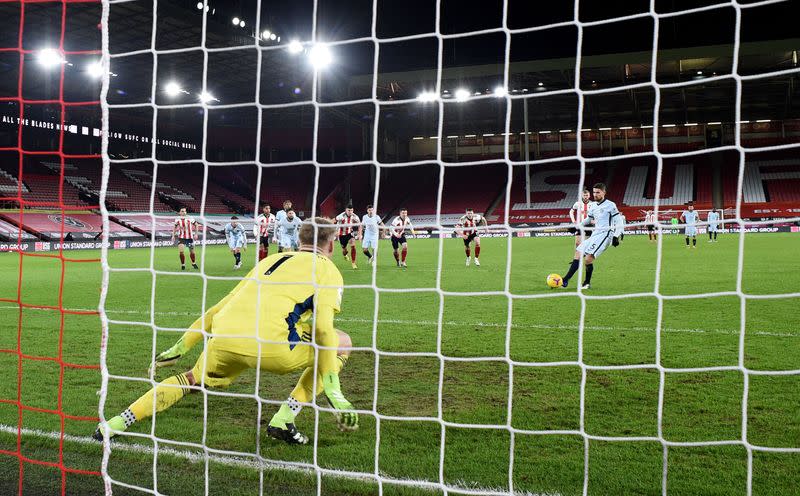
<point x="553" y="280"/>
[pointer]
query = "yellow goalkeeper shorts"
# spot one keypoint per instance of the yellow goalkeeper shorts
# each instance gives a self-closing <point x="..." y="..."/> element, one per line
<point x="222" y="367"/>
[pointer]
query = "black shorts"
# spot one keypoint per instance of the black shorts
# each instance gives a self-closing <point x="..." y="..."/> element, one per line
<point x="264" y="240"/>
<point x="187" y="242"/>
<point x="396" y="242"/>
<point x="344" y="239"/>
<point x="469" y="238"/>
<point x="651" y="227"/>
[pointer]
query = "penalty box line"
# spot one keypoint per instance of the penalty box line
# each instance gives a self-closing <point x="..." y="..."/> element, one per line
<point x="356" y="320"/>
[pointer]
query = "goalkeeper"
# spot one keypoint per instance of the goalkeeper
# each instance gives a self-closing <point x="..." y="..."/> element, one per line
<point x="280" y="295"/>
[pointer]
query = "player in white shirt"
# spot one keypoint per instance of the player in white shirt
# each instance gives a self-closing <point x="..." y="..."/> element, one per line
<point x="185" y="229"/>
<point x="398" y="235"/>
<point x="290" y="230"/>
<point x="650" y="221"/>
<point x="263" y="229"/>
<point x="348" y="222"/>
<point x="281" y="215"/>
<point x="608" y="230"/>
<point x="579" y="212"/>
<point x="690" y="217"/>
<point x="237" y="240"/>
<point x="369" y="231"/>
<point x="468" y="227"/>
<point x="713" y="224"/>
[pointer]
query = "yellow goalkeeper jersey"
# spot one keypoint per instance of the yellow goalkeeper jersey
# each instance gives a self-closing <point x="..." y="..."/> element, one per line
<point x="276" y="303"/>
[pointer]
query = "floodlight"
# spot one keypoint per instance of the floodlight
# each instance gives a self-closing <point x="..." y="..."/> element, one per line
<point x="320" y="56"/>
<point x="295" y="46"/>
<point x="95" y="70"/>
<point x="462" y="95"/>
<point x="173" y="89"/>
<point x="206" y="97"/>
<point x="50" y="57"/>
<point x="500" y="92"/>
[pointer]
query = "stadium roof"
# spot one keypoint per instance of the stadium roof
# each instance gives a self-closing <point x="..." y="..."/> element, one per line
<point x="696" y="49"/>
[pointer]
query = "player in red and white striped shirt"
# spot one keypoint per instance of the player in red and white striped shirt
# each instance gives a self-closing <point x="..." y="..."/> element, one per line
<point x="263" y="229"/>
<point x="185" y="229"/>
<point x="468" y="227"/>
<point x="579" y="213"/>
<point x="398" y="235"/>
<point x="650" y="220"/>
<point x="348" y="223"/>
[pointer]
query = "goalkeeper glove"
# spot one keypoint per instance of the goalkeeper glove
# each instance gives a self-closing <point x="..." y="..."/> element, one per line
<point x="615" y="241"/>
<point x="346" y="420"/>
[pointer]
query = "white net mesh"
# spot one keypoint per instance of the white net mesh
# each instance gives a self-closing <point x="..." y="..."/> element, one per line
<point x="257" y="459"/>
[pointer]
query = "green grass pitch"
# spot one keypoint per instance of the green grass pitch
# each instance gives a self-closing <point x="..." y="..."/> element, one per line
<point x="698" y="406"/>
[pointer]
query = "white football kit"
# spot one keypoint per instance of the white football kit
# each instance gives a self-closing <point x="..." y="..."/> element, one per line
<point x="235" y="235"/>
<point x="371" y="229"/>
<point x="690" y="219"/>
<point x="290" y="233"/>
<point x="713" y="221"/>
<point x="607" y="226"/>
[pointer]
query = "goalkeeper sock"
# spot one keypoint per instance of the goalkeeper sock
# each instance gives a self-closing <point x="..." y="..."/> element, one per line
<point x="128" y="417"/>
<point x="183" y="258"/>
<point x="302" y="393"/>
<point x="353" y="254"/>
<point x="573" y="268"/>
<point x="166" y="395"/>
<point x="286" y="413"/>
<point x="477" y="251"/>
<point x="589" y="270"/>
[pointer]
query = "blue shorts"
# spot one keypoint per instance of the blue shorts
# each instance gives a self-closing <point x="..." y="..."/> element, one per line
<point x="596" y="244"/>
<point x="234" y="243"/>
<point x="369" y="243"/>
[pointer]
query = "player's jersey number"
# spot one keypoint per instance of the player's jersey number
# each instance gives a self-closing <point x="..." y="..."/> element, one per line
<point x="299" y="309"/>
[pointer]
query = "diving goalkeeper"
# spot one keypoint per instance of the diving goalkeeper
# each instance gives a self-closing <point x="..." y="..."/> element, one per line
<point x="280" y="295"/>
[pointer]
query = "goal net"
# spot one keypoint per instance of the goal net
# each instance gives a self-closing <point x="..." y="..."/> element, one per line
<point x="465" y="384"/>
